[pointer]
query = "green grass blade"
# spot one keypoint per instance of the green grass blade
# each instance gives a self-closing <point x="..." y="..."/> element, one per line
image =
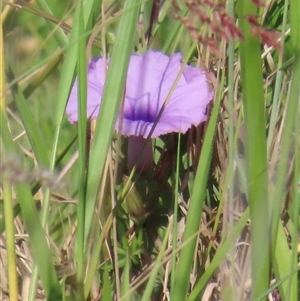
<point x="107" y="287"/>
<point x="32" y="132"/>
<point x="111" y="99"/>
<point x="221" y="253"/>
<point x="7" y="191"/>
<point x="181" y="282"/>
<point x="230" y="182"/>
<point x="284" y="163"/>
<point x="289" y="290"/>
<point x="125" y="282"/>
<point x="295" y="24"/>
<point x="255" y="146"/>
<point x="157" y="265"/>
<point x="10" y="240"/>
<point x="82" y="129"/>
<point x="67" y="74"/>
<point x="59" y="34"/>
<point x="38" y="148"/>
<point x="293" y="285"/>
<point x="68" y="68"/>
<point x="278" y="83"/>
<point x="39" y="247"/>
<point x="43" y="73"/>
<point x="282" y="266"/>
<point x="277" y="284"/>
<point x="40" y="250"/>
<point x="172" y="39"/>
<point x="91" y="12"/>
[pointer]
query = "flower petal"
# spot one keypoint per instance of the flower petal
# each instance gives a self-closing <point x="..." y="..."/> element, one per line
<point x="150" y="79"/>
<point x="149" y="90"/>
<point x="95" y="80"/>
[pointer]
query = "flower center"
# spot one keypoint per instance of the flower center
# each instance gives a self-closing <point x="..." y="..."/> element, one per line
<point x="140" y="109"/>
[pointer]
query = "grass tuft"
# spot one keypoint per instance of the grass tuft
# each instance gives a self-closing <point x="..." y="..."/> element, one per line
<point x="216" y="218"/>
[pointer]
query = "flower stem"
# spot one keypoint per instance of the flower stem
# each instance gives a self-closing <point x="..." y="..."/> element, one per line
<point x="140" y="153"/>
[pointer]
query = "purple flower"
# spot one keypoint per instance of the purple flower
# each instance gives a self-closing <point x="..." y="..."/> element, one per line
<point x="150" y="79"/>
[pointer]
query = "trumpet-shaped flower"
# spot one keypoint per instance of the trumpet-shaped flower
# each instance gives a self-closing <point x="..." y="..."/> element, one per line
<point x="155" y="82"/>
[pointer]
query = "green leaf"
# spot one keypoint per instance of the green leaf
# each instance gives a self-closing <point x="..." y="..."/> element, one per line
<point x="256" y="149"/>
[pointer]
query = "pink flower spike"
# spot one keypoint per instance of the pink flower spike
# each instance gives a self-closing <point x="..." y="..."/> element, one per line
<point x="150" y="78"/>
